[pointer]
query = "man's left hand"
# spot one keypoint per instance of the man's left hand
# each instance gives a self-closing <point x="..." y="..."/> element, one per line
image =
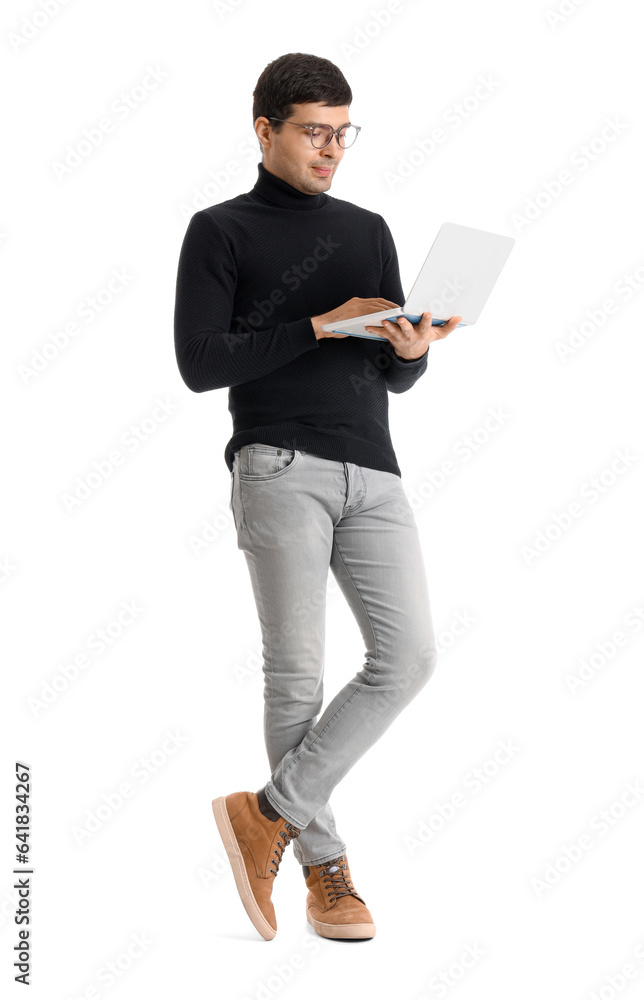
<point x="411" y="341"/>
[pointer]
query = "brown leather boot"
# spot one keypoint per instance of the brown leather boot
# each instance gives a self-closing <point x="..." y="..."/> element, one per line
<point x="333" y="907"/>
<point x="254" y="844"/>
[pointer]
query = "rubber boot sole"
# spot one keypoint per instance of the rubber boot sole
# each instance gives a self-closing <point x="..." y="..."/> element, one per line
<point x="343" y="931"/>
<point x="240" y="874"/>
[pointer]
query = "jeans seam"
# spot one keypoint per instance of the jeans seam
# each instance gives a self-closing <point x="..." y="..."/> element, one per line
<point x="327" y="723"/>
<point x="322" y="861"/>
<point x="357" y="687"/>
<point x="359" y="595"/>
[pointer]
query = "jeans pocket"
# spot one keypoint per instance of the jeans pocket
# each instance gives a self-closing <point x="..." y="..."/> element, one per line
<point x="232" y="498"/>
<point x="259" y="461"/>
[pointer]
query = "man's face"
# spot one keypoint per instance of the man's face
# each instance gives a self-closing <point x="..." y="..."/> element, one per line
<point x="291" y="155"/>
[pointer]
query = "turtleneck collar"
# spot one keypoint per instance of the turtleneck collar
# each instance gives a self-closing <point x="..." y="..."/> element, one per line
<point x="279" y="192"/>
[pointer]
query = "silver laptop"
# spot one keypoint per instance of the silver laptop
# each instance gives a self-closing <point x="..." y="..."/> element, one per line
<point x="456" y="279"/>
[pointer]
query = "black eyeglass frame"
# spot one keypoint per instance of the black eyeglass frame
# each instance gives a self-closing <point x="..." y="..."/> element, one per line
<point x="335" y="131"/>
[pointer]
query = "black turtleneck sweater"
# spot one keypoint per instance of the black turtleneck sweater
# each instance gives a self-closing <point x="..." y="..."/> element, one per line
<point x="252" y="271"/>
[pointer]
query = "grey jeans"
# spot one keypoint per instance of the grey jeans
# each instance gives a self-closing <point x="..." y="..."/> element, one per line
<point x="297" y="514"/>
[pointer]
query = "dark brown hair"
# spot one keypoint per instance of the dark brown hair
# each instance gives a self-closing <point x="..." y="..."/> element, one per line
<point x="298" y="78"/>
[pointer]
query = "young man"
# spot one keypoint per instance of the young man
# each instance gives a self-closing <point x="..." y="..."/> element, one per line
<point x="314" y="477"/>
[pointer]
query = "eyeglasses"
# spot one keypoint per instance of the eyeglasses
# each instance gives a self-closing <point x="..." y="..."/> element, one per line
<point x="321" y="135"/>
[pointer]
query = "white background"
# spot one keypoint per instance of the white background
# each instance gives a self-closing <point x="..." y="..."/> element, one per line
<point x="496" y="877"/>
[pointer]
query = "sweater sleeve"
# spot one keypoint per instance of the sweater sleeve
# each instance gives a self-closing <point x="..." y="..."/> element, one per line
<point x="210" y="355"/>
<point x="401" y="373"/>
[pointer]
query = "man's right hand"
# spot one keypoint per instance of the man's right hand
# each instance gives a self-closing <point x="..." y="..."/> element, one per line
<point x="354" y="307"/>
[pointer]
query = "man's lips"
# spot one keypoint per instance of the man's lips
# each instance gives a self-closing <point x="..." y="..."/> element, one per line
<point x="323" y="170"/>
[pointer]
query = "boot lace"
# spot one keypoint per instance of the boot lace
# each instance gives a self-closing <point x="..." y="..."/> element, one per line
<point x="288" y="834"/>
<point x="339" y="883"/>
